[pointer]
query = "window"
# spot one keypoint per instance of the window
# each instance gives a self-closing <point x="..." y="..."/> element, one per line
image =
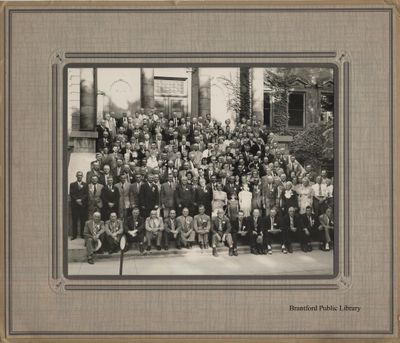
<point x="327" y="103"/>
<point x="267" y="109"/>
<point x="296" y="109"/>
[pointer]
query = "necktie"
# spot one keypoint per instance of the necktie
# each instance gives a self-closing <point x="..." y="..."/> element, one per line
<point x="320" y="189"/>
<point x="94" y="189"/>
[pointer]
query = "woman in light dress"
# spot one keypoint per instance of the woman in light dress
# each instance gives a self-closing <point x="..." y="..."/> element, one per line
<point x="220" y="199"/>
<point x="245" y="197"/>
<point x="305" y="195"/>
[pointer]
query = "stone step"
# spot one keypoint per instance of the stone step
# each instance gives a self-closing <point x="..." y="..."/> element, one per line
<point x="77" y="251"/>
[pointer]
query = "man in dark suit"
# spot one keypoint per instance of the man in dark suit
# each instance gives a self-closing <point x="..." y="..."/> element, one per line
<point x="135" y="190"/>
<point x="203" y="196"/>
<point x="255" y="227"/>
<point x="78" y="191"/>
<point x="310" y="227"/>
<point x="291" y="224"/>
<point x="110" y="199"/>
<point x="273" y="232"/>
<point x="123" y="120"/>
<point x="171" y="230"/>
<point x="184" y="196"/>
<point x="167" y="196"/>
<point x="134" y="228"/>
<point x="149" y="196"/>
<point x="239" y="232"/>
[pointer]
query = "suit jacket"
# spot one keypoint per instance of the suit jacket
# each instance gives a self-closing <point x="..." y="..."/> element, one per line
<point x="111" y="228"/>
<point x="224" y="228"/>
<point x="184" y="224"/>
<point x="94" y="199"/>
<point x="91" y="230"/>
<point x="91" y="173"/>
<point x="201" y="222"/>
<point x="148" y="196"/>
<point x="168" y="195"/>
<point x="108" y="195"/>
<point x="131" y="224"/>
<point x="231" y="189"/>
<point x="203" y="197"/>
<point x="236" y="227"/>
<point x="252" y="226"/>
<point x="285" y="222"/>
<point x="184" y="195"/>
<point x="76" y="192"/>
<point x="168" y="226"/>
<point x="310" y="225"/>
<point x="268" y="193"/>
<point x="125" y="195"/>
<point x="268" y="223"/>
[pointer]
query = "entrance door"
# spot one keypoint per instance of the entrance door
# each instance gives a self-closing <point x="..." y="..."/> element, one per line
<point x="171" y="106"/>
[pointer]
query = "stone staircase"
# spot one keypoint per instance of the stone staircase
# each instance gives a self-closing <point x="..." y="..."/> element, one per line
<point x="77" y="251"/>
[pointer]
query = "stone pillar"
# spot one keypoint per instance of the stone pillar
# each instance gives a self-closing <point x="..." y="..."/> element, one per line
<point x="245" y="101"/>
<point x="100" y="106"/>
<point x="147" y="88"/>
<point x="195" y="90"/>
<point x="257" y="93"/>
<point x="88" y="99"/>
<point x="204" y="92"/>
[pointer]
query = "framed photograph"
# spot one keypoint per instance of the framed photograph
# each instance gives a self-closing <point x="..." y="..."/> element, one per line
<point x="200" y="171"/>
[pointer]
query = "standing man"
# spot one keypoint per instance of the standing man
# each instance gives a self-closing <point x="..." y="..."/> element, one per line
<point x="184" y="196"/>
<point x="269" y="193"/>
<point x="319" y="200"/>
<point x="94" y="232"/>
<point x="78" y="191"/>
<point x="221" y="232"/>
<point x="167" y="196"/>
<point x="148" y="196"/>
<point x="125" y="197"/>
<point x="202" y="225"/>
<point x="110" y="198"/>
<point x="95" y="204"/>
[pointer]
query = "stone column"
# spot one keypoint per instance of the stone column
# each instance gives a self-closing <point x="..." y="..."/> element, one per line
<point x="88" y="99"/>
<point x="204" y="92"/>
<point x="147" y="88"/>
<point x="257" y="93"/>
<point x="245" y="105"/>
<point x="195" y="93"/>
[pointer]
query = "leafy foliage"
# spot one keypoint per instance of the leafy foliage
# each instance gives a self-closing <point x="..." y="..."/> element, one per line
<point x="314" y="145"/>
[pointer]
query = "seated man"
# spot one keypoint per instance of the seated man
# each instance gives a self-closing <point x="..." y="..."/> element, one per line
<point x="154" y="229"/>
<point x="185" y="227"/>
<point x="255" y="226"/>
<point x="273" y="232"/>
<point x="292" y="229"/>
<point x="310" y="227"/>
<point x="171" y="230"/>
<point x="134" y="229"/>
<point x="114" y="230"/>
<point x="239" y="232"/>
<point x="93" y="232"/>
<point x="327" y="228"/>
<point x="221" y="232"/>
<point x="202" y="225"/>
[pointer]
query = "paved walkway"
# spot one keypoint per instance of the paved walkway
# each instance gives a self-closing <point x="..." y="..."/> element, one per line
<point x="193" y="262"/>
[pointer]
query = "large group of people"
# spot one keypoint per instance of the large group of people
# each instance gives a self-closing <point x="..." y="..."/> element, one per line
<point x="195" y="180"/>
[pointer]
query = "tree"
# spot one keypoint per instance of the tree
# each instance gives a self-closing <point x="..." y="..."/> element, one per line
<point x="314" y="145"/>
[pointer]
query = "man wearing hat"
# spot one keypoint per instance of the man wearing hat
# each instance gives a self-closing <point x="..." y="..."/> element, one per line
<point x="94" y="235"/>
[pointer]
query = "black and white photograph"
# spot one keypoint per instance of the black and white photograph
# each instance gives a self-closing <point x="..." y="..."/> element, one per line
<point x="200" y="170"/>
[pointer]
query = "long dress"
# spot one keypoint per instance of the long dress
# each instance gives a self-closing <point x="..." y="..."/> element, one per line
<point x="305" y="197"/>
<point x="245" y="201"/>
